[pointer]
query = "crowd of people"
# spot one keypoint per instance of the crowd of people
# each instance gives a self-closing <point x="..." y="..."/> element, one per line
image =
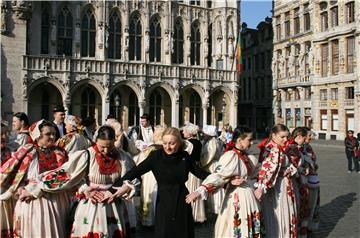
<point x="352" y="151"/>
<point x="68" y="177"/>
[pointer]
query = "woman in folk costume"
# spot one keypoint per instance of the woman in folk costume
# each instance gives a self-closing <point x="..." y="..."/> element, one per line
<point x="313" y="184"/>
<point x="297" y="158"/>
<point x="20" y="127"/>
<point x="209" y="160"/>
<point x="170" y="165"/>
<point x="73" y="141"/>
<point x="36" y="214"/>
<point x="240" y="214"/>
<point x="275" y="188"/>
<point x="6" y="206"/>
<point x="149" y="185"/>
<point x="190" y="132"/>
<point x="99" y="213"/>
<point x="120" y="144"/>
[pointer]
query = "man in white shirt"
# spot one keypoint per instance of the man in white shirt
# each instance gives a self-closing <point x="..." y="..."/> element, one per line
<point x="59" y="117"/>
<point x="142" y="135"/>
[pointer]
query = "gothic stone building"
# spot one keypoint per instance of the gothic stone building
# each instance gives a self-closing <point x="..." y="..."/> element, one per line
<point x="170" y="59"/>
<point x="316" y="73"/>
<point x="255" y="98"/>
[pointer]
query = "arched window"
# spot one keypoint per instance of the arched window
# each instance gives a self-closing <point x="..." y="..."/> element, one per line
<point x="195" y="108"/>
<point x="65" y="32"/>
<point x="155" y="107"/>
<point x="134" y="113"/>
<point x="178" y="54"/>
<point x="209" y="56"/>
<point x="45" y="107"/>
<point x="114" y="50"/>
<point x="195" y="44"/>
<point x="88" y="98"/>
<point x="135" y="38"/>
<point x="155" y="40"/>
<point x="45" y="28"/>
<point x="88" y="34"/>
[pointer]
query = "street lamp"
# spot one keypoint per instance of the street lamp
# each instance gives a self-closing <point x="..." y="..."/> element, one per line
<point x="117" y="104"/>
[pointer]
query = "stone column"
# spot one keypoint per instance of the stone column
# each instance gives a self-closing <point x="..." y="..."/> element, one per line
<point x="204" y="118"/>
<point x="175" y="112"/>
<point x="142" y="106"/>
<point x="100" y="34"/>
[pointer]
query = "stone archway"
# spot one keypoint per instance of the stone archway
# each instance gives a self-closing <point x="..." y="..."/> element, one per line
<point x="86" y="101"/>
<point x="124" y="105"/>
<point x="42" y="99"/>
<point x="219" y="109"/>
<point x="159" y="105"/>
<point x="190" y="107"/>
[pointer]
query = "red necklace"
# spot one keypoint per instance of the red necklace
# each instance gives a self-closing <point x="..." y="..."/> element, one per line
<point x="107" y="164"/>
<point x="46" y="159"/>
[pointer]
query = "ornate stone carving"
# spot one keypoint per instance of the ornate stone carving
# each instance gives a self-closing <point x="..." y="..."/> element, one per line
<point x="4" y="15"/>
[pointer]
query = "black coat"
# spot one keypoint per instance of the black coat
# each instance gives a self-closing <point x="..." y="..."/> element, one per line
<point x="196" y="152"/>
<point x="173" y="218"/>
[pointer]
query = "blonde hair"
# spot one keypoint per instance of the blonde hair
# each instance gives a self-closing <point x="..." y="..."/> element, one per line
<point x="158" y="134"/>
<point x="175" y="132"/>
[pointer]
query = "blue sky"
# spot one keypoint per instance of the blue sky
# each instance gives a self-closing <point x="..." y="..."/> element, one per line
<point x="254" y="11"/>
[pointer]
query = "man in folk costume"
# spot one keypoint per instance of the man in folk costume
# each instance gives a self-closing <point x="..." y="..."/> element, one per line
<point x="211" y="152"/>
<point x="142" y="135"/>
<point x="59" y="118"/>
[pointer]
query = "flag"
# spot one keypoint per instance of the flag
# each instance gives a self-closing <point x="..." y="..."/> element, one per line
<point x="238" y="56"/>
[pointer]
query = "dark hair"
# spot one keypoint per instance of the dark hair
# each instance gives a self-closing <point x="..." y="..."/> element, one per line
<point x="241" y="132"/>
<point x="301" y="130"/>
<point x="47" y="123"/>
<point x="106" y="133"/>
<point x="22" y="117"/>
<point x="88" y="121"/>
<point x="145" y="116"/>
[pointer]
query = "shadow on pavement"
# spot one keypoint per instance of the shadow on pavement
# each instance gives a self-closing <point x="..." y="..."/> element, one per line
<point x="332" y="212"/>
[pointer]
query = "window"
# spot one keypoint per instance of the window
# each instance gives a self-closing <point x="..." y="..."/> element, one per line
<point x="155" y="107"/>
<point x="195" y="44"/>
<point x="306" y="57"/>
<point x="307" y="93"/>
<point x="324" y="21"/>
<point x="88" y="103"/>
<point x="297" y="117"/>
<point x="323" y="94"/>
<point x="134" y="112"/>
<point x="45" y="29"/>
<point x="45" y="107"/>
<point x="209" y="4"/>
<point x="334" y="16"/>
<point x="262" y="61"/>
<point x="209" y="56"/>
<point x="196" y="2"/>
<point x="334" y="94"/>
<point x="288" y="117"/>
<point x="350" y="12"/>
<point x="88" y="33"/>
<point x="350" y="52"/>
<point x="135" y="35"/>
<point x="324" y="59"/>
<point x="178" y="54"/>
<point x="287" y="24"/>
<point x="335" y="57"/>
<point x="278" y="28"/>
<point x="323" y="119"/>
<point x="65" y="32"/>
<point x="349" y="93"/>
<point x="114" y="49"/>
<point x="334" y="120"/>
<point x="307" y="22"/>
<point x="249" y="63"/>
<point x="195" y="108"/>
<point x="296" y="21"/>
<point x="155" y="40"/>
<point x="256" y="62"/>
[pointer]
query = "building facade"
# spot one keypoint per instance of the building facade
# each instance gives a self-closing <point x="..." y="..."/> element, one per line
<point x="170" y="59"/>
<point x="255" y="98"/>
<point x="315" y="65"/>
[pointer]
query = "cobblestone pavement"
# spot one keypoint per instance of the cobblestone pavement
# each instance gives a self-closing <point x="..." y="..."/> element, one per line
<point x="340" y="204"/>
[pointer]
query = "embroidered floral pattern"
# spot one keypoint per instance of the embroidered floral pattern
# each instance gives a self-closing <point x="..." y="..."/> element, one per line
<point x="56" y="179"/>
<point x="237" y="219"/>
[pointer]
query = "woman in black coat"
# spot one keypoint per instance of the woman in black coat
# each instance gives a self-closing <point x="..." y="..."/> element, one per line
<point x="170" y="166"/>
